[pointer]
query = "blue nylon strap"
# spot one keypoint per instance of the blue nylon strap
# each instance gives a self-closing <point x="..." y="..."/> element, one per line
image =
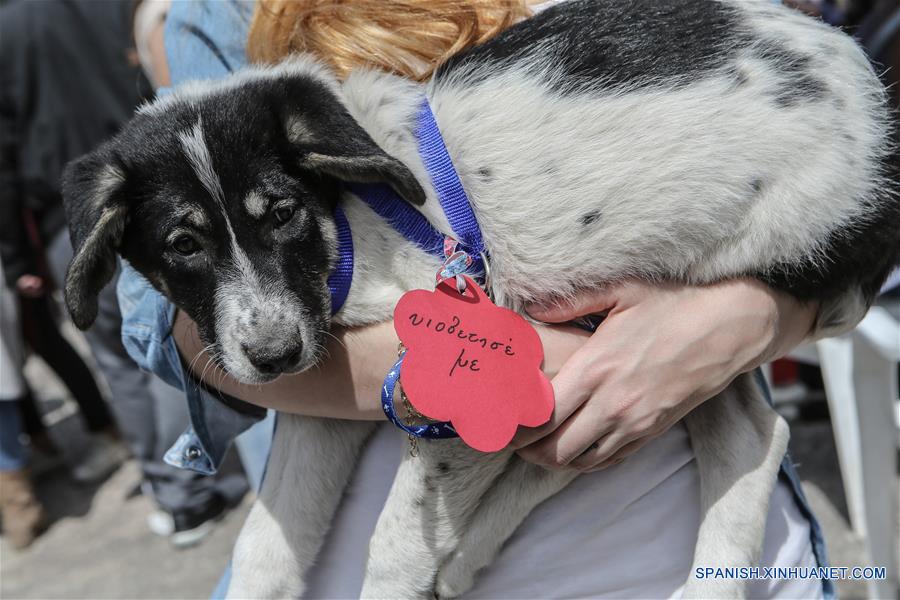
<point x="413" y="225"/>
<point x="461" y="217"/>
<point x="340" y="279"/>
<point x="415" y="228"/>
<point x="448" y="186"/>
<point x="433" y="431"/>
<point x="405" y="219"/>
<point x="408" y="221"/>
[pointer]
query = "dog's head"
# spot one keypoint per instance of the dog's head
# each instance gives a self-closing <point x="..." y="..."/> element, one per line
<point x="222" y="196"/>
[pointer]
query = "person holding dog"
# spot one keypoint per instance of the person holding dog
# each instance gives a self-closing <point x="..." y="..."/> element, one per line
<point x="662" y="351"/>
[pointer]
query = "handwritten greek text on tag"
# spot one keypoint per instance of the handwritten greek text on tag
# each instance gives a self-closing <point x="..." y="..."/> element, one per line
<point x="472" y="363"/>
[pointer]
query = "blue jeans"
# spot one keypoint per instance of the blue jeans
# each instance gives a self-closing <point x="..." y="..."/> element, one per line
<point x="13" y="453"/>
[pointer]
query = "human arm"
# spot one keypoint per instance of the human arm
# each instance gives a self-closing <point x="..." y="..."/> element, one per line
<point x="344" y="386"/>
<point x="347" y="384"/>
<point x="662" y="350"/>
<point x="630" y="380"/>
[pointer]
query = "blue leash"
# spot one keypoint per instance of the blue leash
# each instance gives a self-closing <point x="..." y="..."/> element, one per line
<point x="413" y="225"/>
<point x="439" y="430"/>
<point x="449" y="188"/>
<point x="408" y="221"/>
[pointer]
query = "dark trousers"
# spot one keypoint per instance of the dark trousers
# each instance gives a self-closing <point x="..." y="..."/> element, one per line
<point x="43" y="337"/>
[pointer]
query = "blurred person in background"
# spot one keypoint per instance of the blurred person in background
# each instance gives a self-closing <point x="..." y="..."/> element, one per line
<point x="39" y="324"/>
<point x="68" y="80"/>
<point x="23" y="516"/>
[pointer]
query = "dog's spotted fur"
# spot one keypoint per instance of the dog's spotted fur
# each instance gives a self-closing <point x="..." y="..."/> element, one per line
<point x="688" y="141"/>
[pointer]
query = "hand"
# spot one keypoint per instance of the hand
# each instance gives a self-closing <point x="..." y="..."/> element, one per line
<point x="30" y="286"/>
<point x="662" y="350"/>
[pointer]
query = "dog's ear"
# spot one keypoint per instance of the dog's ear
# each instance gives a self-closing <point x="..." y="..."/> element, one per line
<point x="330" y="141"/>
<point x="97" y="214"/>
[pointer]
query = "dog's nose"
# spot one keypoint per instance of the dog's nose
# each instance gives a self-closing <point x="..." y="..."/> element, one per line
<point x="273" y="360"/>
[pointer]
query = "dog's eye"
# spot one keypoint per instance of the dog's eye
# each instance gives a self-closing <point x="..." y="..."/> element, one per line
<point x="283" y="214"/>
<point x="185" y="245"/>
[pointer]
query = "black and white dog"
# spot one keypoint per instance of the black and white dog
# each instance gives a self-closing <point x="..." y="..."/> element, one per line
<point x="682" y="140"/>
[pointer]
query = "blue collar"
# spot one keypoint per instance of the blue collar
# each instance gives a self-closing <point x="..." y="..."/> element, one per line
<point x="408" y="221"/>
<point x="413" y="225"/>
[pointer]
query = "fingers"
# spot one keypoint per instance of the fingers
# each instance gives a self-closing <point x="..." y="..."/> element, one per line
<point x="576" y="443"/>
<point x="585" y="303"/>
<point x="591" y="440"/>
<point x="603" y="450"/>
<point x="596" y="460"/>
<point x="610" y="450"/>
<point x="526" y="436"/>
<point x="571" y="389"/>
<point x="589" y="302"/>
<point x="616" y="391"/>
<point x="567" y="443"/>
<point x="571" y="436"/>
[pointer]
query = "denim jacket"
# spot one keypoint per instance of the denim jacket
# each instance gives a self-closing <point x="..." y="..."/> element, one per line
<point x="205" y="40"/>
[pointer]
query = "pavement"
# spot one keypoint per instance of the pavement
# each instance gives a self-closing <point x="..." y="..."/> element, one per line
<point x="98" y="544"/>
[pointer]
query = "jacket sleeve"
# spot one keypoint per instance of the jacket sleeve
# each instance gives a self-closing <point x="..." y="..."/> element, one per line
<point x="14" y="249"/>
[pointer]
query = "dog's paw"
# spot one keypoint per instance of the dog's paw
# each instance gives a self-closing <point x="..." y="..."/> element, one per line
<point x="455" y="577"/>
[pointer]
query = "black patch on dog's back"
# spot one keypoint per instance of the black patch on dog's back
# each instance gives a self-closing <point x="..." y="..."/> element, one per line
<point x="803" y="89"/>
<point x="798" y="84"/>
<point x="614" y="43"/>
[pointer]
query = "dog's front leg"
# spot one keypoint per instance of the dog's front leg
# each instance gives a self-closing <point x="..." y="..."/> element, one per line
<point x="739" y="442"/>
<point x="309" y="467"/>
<point x="427" y="512"/>
<point x="517" y="492"/>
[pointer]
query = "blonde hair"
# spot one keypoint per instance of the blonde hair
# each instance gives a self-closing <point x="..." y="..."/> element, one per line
<point x="407" y="37"/>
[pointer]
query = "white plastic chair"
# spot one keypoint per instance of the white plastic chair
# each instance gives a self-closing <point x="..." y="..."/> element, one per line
<point x="860" y="374"/>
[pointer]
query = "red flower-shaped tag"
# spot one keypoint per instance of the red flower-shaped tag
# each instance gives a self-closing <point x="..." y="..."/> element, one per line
<point x="472" y="363"/>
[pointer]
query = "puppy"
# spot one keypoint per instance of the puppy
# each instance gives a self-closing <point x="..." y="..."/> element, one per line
<point x="691" y="141"/>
